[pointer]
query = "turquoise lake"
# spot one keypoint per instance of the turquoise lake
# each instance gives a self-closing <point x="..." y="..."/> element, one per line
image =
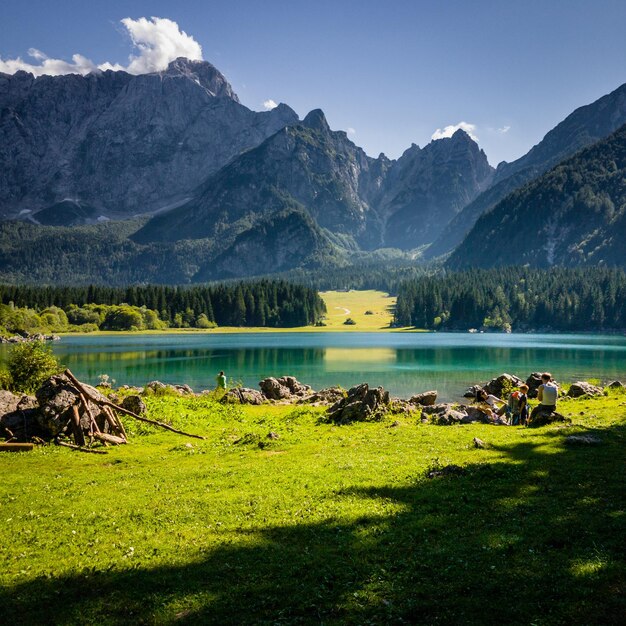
<point x="403" y="363"/>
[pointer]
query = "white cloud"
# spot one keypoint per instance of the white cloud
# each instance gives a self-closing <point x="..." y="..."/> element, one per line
<point x="351" y="131"/>
<point x="268" y="105"/>
<point x="504" y="130"/>
<point x="157" y="41"/>
<point x="448" y="131"/>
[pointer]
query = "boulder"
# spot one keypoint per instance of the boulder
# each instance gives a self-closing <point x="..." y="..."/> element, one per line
<point x="20" y="424"/>
<point x="242" y="395"/>
<point x="324" y="396"/>
<point x="501" y="384"/>
<point x="543" y="418"/>
<point x="57" y="396"/>
<point x="616" y="384"/>
<point x="427" y="398"/>
<point x="472" y="392"/>
<point x="134" y="404"/>
<point x="8" y="401"/>
<point x="584" y="440"/>
<point x="361" y="404"/>
<point x="184" y="390"/>
<point x="475" y="414"/>
<point x="533" y="382"/>
<point x="155" y="386"/>
<point x="582" y="388"/>
<point x="273" y="390"/>
<point x="445" y="414"/>
<point x="283" y="388"/>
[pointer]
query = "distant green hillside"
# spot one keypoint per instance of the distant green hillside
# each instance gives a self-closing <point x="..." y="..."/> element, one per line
<point x="573" y="215"/>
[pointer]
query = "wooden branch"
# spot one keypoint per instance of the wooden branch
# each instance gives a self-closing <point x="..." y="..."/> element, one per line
<point x="79" y="436"/>
<point x="126" y="411"/>
<point x="106" y="438"/>
<point x="120" y="427"/>
<point x="16" y="447"/>
<point x="71" y="445"/>
<point x="108" y="416"/>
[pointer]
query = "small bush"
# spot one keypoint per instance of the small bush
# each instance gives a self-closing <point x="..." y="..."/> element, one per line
<point x="29" y="365"/>
<point x="349" y="322"/>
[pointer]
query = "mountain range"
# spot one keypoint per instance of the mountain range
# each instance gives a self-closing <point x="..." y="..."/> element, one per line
<point x="213" y="189"/>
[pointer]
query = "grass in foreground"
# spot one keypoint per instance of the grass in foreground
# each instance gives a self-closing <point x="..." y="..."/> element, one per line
<point x="327" y="524"/>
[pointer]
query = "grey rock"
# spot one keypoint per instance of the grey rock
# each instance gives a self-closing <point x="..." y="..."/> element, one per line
<point x="498" y="385"/>
<point x="361" y="404"/>
<point x="475" y="414"/>
<point x="585" y="440"/>
<point x="329" y="395"/>
<point x="445" y="414"/>
<point x="582" y="388"/>
<point x="448" y="470"/>
<point x="8" y="401"/>
<point x="479" y="443"/>
<point x="243" y="395"/>
<point x="57" y="396"/>
<point x="285" y="387"/>
<point x="135" y="404"/>
<point x="427" y="398"/>
<point x="533" y="382"/>
<point x="472" y="392"/>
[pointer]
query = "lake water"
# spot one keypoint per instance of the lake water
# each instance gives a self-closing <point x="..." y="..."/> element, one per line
<point x="403" y="363"/>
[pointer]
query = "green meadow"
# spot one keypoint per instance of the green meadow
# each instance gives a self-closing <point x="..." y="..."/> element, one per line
<point x="320" y="524"/>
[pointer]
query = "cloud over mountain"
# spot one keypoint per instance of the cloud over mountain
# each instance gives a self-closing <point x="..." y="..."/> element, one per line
<point x="448" y="131"/>
<point x="156" y="41"/>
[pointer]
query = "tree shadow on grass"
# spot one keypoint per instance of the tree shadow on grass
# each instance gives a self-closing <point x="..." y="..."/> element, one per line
<point x="536" y="538"/>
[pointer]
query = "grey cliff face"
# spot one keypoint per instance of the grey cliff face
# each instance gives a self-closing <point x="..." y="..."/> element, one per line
<point x="370" y="202"/>
<point x="121" y="144"/>
<point x="426" y="188"/>
<point x="307" y="165"/>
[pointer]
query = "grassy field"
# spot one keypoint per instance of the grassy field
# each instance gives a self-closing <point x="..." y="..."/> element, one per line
<point x="340" y="306"/>
<point x="324" y="525"/>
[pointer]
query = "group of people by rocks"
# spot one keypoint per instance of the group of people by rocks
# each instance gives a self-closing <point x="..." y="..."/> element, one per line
<point x="516" y="409"/>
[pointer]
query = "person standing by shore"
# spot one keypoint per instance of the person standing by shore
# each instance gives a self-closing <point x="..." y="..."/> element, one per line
<point x="220" y="379"/>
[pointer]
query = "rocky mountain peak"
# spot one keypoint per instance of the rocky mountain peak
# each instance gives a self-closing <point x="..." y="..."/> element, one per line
<point x="202" y="73"/>
<point x="316" y="120"/>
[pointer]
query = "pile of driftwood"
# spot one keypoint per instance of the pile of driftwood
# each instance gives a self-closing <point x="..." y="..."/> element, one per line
<point x="78" y="416"/>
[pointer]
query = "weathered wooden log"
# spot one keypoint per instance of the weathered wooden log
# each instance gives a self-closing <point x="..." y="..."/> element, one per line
<point x="126" y="411"/>
<point x="16" y="447"/>
<point x="110" y="420"/>
<point x="106" y="438"/>
<point x="115" y="422"/>
<point x="75" y="447"/>
<point x="77" y="431"/>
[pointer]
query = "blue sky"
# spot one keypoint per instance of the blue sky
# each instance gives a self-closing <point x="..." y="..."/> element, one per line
<point x="392" y="72"/>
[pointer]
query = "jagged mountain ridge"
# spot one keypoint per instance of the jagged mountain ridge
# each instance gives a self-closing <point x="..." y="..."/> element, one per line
<point x="582" y="128"/>
<point x="118" y="143"/>
<point x="575" y="214"/>
<point x="374" y="202"/>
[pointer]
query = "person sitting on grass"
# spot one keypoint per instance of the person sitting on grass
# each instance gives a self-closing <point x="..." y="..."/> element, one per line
<point x="517" y="407"/>
<point x="490" y="404"/>
<point x="546" y="394"/>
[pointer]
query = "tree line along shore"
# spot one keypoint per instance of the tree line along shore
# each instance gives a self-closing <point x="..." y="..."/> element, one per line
<point x="518" y="299"/>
